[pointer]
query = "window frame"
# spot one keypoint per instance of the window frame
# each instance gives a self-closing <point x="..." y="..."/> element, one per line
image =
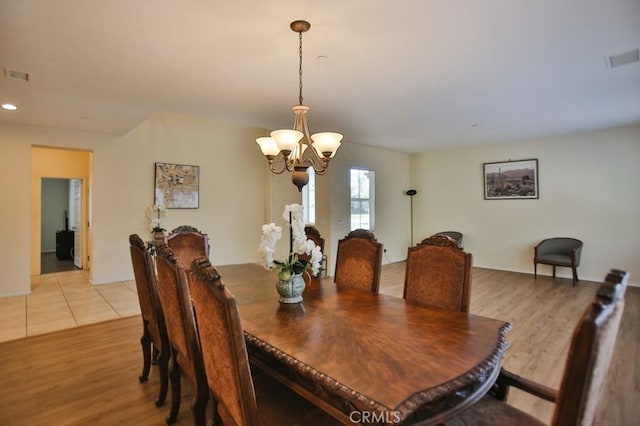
<point x="309" y="199"/>
<point x="370" y="199"/>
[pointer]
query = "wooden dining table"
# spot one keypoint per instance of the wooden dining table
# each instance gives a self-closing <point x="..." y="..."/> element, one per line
<point x="363" y="357"/>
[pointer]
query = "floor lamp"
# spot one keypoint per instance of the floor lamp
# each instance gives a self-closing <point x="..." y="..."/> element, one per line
<point x="411" y="193"/>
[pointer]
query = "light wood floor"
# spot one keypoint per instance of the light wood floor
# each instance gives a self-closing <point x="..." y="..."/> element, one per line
<point x="88" y="374"/>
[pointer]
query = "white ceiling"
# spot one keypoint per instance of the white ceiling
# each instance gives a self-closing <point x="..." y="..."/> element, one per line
<point x="407" y="75"/>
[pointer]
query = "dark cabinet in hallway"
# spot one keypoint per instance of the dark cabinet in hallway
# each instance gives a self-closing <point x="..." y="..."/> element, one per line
<point x="64" y="245"/>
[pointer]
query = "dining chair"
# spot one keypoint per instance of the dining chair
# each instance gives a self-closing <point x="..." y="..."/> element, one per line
<point x="438" y="274"/>
<point x="154" y="340"/>
<point x="183" y="336"/>
<point x="240" y="397"/>
<point x="457" y="236"/>
<point x="359" y="261"/>
<point x="313" y="234"/>
<point x="584" y="376"/>
<point x="187" y="244"/>
<point x="559" y="251"/>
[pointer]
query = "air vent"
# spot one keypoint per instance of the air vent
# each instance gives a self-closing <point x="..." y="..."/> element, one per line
<point x="16" y="75"/>
<point x="621" y="59"/>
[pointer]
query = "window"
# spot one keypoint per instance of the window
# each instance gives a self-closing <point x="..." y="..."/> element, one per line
<point x="362" y="199"/>
<point x="309" y="199"/>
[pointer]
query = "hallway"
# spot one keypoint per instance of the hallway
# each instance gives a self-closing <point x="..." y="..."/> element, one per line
<point x="49" y="263"/>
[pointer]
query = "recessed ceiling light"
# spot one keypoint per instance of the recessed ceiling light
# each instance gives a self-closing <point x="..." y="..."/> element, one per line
<point x="9" y="107"/>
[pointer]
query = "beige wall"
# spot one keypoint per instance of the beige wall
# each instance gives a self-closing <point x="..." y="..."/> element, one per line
<point x="15" y="217"/>
<point x="237" y="192"/>
<point x="391" y="204"/>
<point x="16" y="212"/>
<point x="232" y="198"/>
<point x="588" y="185"/>
<point x="589" y="189"/>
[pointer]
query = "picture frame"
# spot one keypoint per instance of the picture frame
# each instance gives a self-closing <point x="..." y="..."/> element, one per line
<point x="177" y="186"/>
<point x="511" y="180"/>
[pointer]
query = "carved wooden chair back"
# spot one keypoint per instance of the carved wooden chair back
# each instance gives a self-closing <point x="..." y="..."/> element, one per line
<point x="590" y="354"/>
<point x="438" y="274"/>
<point x="359" y="261"/>
<point x="240" y="397"/>
<point x="313" y="234"/>
<point x="154" y="331"/>
<point x="183" y="335"/>
<point x="223" y="347"/>
<point x="187" y="244"/>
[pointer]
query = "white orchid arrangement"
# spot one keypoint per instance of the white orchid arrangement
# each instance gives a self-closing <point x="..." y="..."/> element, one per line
<point x="154" y="213"/>
<point x="298" y="244"/>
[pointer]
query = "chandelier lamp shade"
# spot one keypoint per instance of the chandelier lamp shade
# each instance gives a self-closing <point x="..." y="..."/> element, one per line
<point x="294" y="150"/>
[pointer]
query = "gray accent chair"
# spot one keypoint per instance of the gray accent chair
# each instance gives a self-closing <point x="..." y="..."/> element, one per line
<point x="456" y="236"/>
<point x="559" y="251"/>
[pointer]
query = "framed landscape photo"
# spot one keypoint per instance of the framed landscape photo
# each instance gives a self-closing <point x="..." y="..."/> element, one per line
<point x="511" y="180"/>
<point x="177" y="186"/>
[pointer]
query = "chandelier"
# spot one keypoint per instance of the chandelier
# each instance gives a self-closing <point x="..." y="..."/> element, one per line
<point x="293" y="149"/>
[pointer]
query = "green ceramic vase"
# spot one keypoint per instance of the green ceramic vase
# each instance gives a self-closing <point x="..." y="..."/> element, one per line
<point x="290" y="291"/>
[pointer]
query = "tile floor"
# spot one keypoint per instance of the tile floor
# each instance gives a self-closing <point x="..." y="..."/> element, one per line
<point x="65" y="300"/>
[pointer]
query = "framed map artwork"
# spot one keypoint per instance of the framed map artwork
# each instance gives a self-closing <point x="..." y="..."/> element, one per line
<point x="177" y="186"/>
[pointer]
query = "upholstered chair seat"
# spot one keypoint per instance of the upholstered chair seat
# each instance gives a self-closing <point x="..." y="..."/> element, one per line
<point x="555" y="259"/>
<point x="490" y="411"/>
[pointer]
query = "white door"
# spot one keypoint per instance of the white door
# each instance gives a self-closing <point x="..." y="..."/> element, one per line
<point x="76" y="220"/>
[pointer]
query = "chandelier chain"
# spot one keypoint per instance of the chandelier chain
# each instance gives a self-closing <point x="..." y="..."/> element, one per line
<point x="300" y="69"/>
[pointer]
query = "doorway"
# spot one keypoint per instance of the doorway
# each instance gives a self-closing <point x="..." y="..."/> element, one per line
<point x="60" y="237"/>
<point x="60" y="231"/>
